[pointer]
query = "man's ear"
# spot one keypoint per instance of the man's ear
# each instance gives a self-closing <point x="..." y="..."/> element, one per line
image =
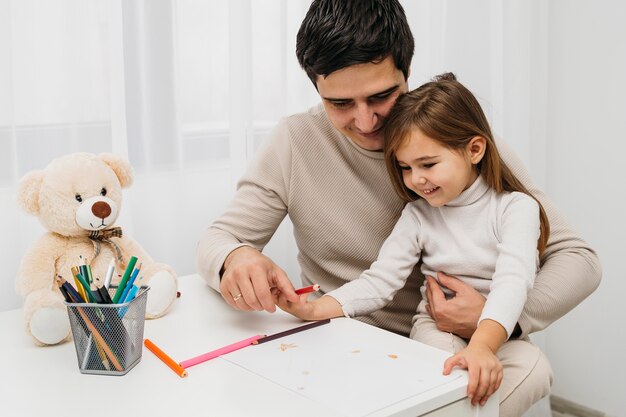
<point x="28" y="191"/>
<point x="476" y="148"/>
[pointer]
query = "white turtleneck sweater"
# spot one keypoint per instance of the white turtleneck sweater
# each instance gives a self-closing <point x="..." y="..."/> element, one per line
<point x="486" y="239"/>
<point x="342" y="205"/>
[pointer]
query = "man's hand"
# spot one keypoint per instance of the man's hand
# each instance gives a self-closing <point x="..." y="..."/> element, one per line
<point x="458" y="315"/>
<point x="248" y="279"/>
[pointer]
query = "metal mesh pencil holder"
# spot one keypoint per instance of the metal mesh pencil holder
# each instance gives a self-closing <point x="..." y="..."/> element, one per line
<point x="108" y="337"/>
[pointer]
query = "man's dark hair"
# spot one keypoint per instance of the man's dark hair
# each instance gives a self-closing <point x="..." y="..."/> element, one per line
<point x="336" y="34"/>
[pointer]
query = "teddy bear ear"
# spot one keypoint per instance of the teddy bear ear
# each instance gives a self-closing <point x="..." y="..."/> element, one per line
<point x="120" y="166"/>
<point x="28" y="191"/>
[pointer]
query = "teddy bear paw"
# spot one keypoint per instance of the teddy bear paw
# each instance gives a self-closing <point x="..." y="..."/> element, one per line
<point x="162" y="294"/>
<point x="50" y="325"/>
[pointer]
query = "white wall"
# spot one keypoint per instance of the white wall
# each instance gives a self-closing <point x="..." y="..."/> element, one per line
<point x="585" y="174"/>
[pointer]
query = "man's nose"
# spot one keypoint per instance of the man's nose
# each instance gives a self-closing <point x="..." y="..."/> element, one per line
<point x="365" y="118"/>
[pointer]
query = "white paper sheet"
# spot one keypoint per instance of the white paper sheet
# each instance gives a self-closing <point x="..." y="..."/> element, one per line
<point x="350" y="367"/>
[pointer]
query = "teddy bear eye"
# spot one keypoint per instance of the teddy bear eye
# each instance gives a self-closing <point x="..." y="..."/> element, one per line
<point x="79" y="198"/>
<point x="103" y="192"/>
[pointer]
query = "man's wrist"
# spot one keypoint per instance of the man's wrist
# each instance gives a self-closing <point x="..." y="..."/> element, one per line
<point x="228" y="260"/>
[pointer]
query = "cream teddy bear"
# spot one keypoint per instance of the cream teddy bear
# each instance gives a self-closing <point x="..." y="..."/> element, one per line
<point x="77" y="198"/>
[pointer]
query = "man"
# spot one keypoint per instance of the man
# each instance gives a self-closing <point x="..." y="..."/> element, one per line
<point x="325" y="169"/>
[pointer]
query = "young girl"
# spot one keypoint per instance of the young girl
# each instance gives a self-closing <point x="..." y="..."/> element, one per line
<point x="467" y="215"/>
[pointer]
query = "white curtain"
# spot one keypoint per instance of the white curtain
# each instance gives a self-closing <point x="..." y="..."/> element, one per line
<point x="186" y="89"/>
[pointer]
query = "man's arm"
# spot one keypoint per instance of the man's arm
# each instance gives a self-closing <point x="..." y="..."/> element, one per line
<point x="228" y="254"/>
<point x="570" y="269"/>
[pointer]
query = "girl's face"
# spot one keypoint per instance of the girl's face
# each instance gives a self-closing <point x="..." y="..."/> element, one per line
<point x="436" y="173"/>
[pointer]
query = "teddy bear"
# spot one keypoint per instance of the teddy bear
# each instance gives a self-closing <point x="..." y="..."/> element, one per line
<point x="77" y="198"/>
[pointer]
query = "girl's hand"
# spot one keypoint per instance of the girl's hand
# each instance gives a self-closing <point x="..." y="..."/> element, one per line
<point x="322" y="308"/>
<point x="301" y="308"/>
<point x="484" y="368"/>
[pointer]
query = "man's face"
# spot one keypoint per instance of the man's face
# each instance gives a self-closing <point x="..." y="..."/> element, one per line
<point x="358" y="99"/>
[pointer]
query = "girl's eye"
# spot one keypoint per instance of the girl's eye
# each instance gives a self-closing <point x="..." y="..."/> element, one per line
<point x="78" y="198"/>
<point x="428" y="165"/>
<point x="404" y="168"/>
<point x="103" y="192"/>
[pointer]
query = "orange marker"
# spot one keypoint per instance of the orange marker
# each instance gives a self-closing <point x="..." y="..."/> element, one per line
<point x="310" y="288"/>
<point x="180" y="371"/>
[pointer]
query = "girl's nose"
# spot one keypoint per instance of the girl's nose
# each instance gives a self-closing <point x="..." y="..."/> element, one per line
<point x="418" y="179"/>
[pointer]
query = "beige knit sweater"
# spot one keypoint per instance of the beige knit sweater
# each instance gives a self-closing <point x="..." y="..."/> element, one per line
<point x="342" y="206"/>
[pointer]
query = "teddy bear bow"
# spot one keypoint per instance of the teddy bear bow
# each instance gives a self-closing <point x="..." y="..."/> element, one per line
<point x="105" y="234"/>
<point x="99" y="236"/>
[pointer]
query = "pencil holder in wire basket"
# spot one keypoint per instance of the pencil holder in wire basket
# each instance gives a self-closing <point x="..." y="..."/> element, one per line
<point x="108" y="337"/>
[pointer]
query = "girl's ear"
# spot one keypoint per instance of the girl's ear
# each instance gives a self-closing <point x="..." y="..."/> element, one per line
<point x="476" y="148"/>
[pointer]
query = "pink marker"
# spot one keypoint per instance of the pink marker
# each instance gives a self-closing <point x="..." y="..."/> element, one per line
<point x="310" y="288"/>
<point x="221" y="351"/>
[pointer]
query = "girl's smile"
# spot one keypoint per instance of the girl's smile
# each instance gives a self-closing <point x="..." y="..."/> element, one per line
<point x="436" y="172"/>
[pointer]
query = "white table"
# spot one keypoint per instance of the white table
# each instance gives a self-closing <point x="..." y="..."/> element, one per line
<point x="46" y="380"/>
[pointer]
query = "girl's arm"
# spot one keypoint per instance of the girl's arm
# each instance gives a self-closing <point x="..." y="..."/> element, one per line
<point x="397" y="257"/>
<point x="374" y="288"/>
<point x="323" y="308"/>
<point x="515" y="269"/>
<point x="481" y="362"/>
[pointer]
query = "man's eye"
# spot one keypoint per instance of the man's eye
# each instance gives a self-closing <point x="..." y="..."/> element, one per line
<point x="380" y="98"/>
<point x="341" y="104"/>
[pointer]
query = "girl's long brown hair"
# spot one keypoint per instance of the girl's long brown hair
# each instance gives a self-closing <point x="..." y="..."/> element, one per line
<point x="446" y="111"/>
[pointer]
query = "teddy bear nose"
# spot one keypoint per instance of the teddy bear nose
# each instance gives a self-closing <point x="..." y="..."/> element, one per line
<point x="101" y="209"/>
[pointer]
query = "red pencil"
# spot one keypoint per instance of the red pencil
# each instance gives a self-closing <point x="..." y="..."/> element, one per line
<point x="310" y="288"/>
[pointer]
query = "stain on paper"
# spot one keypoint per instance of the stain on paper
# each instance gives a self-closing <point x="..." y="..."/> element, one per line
<point x="285" y="346"/>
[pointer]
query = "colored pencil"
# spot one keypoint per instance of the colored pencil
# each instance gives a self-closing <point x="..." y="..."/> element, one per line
<point x="180" y="371"/>
<point x="131" y="294"/>
<point x="310" y="288"/>
<point x="66" y="295"/>
<point x="89" y="277"/>
<point x="129" y="284"/>
<point x="104" y="294"/>
<point x="109" y="274"/>
<point x="93" y="330"/>
<point x="129" y="270"/>
<point x="72" y="293"/>
<point x="90" y="296"/>
<point x="292" y="331"/>
<point x="84" y="269"/>
<point x="79" y="287"/>
<point x="219" y="352"/>
<point x="103" y="358"/>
